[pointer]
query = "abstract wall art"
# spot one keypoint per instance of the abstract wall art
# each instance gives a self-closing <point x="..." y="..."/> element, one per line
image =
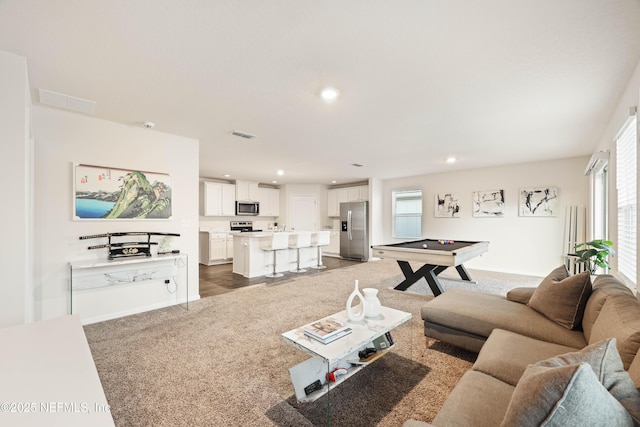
<point x="112" y="193"/>
<point x="488" y="204"/>
<point x="447" y="205"/>
<point x="538" y="201"/>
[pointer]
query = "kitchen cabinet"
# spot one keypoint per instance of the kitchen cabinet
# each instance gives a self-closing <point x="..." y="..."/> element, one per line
<point x="269" y="199"/>
<point x="334" y="244"/>
<point x="247" y="191"/>
<point x="218" y="199"/>
<point x="215" y="248"/>
<point x="335" y="196"/>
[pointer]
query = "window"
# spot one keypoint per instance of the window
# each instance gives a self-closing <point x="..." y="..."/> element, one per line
<point x="626" y="160"/>
<point x="598" y="172"/>
<point x="407" y="214"/>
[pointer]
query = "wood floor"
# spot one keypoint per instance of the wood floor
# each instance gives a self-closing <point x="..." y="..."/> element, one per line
<point x="219" y="279"/>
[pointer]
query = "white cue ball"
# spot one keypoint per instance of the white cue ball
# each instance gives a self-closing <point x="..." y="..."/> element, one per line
<point x="424" y="245"/>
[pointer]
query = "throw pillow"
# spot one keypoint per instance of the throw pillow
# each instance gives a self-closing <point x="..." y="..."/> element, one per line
<point x="521" y="295"/>
<point x="604" y="359"/>
<point x="569" y="395"/>
<point x="562" y="298"/>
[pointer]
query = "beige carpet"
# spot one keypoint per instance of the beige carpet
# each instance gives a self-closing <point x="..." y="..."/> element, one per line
<point x="223" y="363"/>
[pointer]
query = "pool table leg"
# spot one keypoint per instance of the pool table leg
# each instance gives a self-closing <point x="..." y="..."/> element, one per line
<point x="428" y="271"/>
<point x="463" y="272"/>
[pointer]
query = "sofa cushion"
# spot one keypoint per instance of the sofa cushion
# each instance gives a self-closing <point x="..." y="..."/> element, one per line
<point x="477" y="400"/>
<point x="562" y="298"/>
<point x="506" y="355"/>
<point x="604" y="359"/>
<point x="604" y="286"/>
<point x="479" y="313"/>
<point x="569" y="395"/>
<point x="521" y="295"/>
<point x="619" y="319"/>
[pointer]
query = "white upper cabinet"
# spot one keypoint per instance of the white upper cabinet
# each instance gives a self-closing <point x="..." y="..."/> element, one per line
<point x="247" y="191"/>
<point x="336" y="196"/>
<point x="217" y="199"/>
<point x="269" y="199"/>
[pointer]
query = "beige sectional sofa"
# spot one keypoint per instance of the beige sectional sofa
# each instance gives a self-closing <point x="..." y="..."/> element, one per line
<point x="538" y="350"/>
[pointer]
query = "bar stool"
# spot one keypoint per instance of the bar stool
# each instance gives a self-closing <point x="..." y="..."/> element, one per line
<point x="277" y="242"/>
<point x="318" y="240"/>
<point x="301" y="239"/>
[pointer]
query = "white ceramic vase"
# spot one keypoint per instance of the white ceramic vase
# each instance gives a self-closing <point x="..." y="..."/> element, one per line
<point x="352" y="314"/>
<point x="373" y="303"/>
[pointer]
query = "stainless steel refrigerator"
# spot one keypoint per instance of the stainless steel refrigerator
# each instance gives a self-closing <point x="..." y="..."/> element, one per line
<point x="354" y="231"/>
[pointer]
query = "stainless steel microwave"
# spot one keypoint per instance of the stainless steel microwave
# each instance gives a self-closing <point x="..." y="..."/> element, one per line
<point x="247" y="208"/>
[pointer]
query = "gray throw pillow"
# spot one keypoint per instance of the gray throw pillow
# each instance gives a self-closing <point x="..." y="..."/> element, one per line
<point x="562" y="298"/>
<point x="604" y="359"/>
<point x="564" y="396"/>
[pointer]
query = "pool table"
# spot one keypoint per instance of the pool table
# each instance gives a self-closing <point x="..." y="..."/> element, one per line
<point x="435" y="256"/>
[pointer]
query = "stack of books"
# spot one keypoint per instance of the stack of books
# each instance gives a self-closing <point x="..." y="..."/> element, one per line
<point x="327" y="330"/>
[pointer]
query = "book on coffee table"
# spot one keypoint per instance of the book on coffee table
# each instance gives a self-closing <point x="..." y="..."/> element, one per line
<point x="327" y="330"/>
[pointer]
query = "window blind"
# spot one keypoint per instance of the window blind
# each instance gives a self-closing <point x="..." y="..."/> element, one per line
<point x="626" y="182"/>
<point x="407" y="217"/>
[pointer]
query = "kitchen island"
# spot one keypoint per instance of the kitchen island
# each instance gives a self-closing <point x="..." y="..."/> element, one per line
<point x="250" y="260"/>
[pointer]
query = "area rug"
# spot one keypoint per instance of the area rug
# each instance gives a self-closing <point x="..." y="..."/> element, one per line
<point x="223" y="362"/>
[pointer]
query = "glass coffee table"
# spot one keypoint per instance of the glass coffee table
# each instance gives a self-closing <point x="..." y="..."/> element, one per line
<point x="309" y="378"/>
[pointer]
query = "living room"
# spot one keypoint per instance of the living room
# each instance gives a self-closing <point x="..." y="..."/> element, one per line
<point x="44" y="237"/>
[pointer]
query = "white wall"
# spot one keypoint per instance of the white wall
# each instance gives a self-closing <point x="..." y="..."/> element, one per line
<point x="62" y="139"/>
<point x="16" y="174"/>
<point x="524" y="245"/>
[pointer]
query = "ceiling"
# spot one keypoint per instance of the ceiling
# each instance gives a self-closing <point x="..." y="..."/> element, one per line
<point x="490" y="82"/>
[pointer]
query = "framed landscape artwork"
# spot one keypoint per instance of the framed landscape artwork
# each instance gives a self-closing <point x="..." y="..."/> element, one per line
<point x="538" y="201"/>
<point x="488" y="204"/>
<point x="447" y="205"/>
<point x="112" y="193"/>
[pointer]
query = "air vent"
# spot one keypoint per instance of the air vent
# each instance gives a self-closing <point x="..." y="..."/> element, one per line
<point x="358" y="165"/>
<point x="60" y="100"/>
<point x="242" y="134"/>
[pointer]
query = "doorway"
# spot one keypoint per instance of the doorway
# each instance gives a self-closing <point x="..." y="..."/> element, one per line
<point x="304" y="212"/>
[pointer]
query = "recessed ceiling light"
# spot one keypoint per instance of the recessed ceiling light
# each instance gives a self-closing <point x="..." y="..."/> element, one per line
<point x="329" y="94"/>
<point x="334" y="181"/>
<point x="226" y="175"/>
<point x="274" y="182"/>
<point x="451" y="159"/>
<point x="280" y="172"/>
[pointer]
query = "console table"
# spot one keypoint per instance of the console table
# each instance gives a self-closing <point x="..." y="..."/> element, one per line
<point x="107" y="289"/>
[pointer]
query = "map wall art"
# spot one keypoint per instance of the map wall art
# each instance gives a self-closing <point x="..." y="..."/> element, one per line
<point x="112" y="193"/>
<point x="488" y="204"/>
<point x="447" y="205"/>
<point x="538" y="201"/>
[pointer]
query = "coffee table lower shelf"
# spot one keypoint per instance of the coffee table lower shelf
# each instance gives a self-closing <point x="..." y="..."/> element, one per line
<point x="314" y="369"/>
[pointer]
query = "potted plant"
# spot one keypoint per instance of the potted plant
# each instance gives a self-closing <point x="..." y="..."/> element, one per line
<point x="594" y="254"/>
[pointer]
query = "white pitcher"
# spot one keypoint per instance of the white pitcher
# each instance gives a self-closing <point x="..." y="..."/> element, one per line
<point x="373" y="303"/>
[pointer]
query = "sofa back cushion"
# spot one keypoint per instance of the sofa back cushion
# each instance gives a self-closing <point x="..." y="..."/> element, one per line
<point x="619" y="318"/>
<point x="562" y="298"/>
<point x="603" y="286"/>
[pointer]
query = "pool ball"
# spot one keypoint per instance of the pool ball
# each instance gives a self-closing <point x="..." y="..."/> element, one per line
<point x="424" y="245"/>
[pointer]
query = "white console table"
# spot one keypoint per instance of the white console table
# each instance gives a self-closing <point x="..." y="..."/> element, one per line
<point x="107" y="289"/>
